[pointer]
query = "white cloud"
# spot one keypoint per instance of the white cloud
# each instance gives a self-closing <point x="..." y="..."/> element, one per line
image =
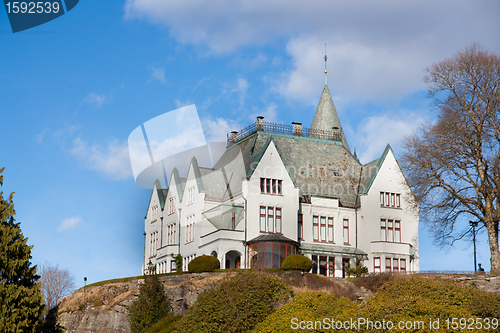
<point x="270" y="113"/>
<point x="70" y="223"/>
<point x="375" y="49"/>
<point x="388" y="128"/>
<point x="216" y="129"/>
<point x="97" y="100"/>
<point x="112" y="160"/>
<point x="157" y="73"/>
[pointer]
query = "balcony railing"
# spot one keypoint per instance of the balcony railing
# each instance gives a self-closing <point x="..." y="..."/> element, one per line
<point x="335" y="134"/>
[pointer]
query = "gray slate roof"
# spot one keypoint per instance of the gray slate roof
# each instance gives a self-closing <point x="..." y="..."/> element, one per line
<point x="326" y="116"/>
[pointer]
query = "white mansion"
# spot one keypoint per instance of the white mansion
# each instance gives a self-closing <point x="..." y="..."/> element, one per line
<point x="285" y="189"/>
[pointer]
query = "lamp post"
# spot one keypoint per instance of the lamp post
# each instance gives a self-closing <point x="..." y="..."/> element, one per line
<point x="84" y="293"/>
<point x="474" y="225"/>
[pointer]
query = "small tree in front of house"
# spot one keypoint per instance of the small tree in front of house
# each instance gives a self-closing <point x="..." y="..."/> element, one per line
<point x="152" y="304"/>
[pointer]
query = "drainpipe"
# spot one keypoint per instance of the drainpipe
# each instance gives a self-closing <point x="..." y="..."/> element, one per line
<point x="144" y="264"/>
<point x="161" y="232"/>
<point x="245" y="243"/>
<point x="179" y="233"/>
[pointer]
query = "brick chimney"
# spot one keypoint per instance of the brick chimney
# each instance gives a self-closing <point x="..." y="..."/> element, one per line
<point x="260" y="123"/>
<point x="233" y="136"/>
<point x="297" y="129"/>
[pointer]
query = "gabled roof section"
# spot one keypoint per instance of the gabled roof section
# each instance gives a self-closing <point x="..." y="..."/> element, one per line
<point x="179" y="183"/>
<point x="326" y="116"/>
<point x="197" y="174"/>
<point x="370" y="171"/>
<point x="162" y="195"/>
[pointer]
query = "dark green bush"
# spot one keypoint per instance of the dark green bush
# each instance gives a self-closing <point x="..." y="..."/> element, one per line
<point x="297" y="262"/>
<point x="203" y="264"/>
<point x="166" y="325"/>
<point x="239" y="303"/>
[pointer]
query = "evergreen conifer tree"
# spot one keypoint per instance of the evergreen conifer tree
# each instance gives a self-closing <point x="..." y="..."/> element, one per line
<point x="152" y="304"/>
<point x="21" y="302"/>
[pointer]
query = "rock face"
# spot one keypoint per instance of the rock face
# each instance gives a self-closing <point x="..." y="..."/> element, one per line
<point x="106" y="309"/>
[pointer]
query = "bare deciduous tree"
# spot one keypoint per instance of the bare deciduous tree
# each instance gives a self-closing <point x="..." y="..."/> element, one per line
<point x="56" y="284"/>
<point x="453" y="165"/>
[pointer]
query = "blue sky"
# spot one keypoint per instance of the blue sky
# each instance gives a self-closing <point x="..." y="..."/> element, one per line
<point x="73" y="89"/>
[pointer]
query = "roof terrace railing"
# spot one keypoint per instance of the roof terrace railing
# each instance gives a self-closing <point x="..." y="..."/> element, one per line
<point x="335" y="134"/>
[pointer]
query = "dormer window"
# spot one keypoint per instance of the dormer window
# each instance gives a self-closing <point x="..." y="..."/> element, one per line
<point x="271" y="186"/>
<point x="190" y="195"/>
<point x="154" y="213"/>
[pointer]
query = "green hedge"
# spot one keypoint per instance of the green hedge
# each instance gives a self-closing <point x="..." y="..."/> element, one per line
<point x="203" y="264"/>
<point x="297" y="262"/>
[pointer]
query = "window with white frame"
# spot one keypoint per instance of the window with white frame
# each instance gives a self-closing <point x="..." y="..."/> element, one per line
<point x="315" y="228"/>
<point x="271" y="186"/>
<point x="190" y="196"/>
<point x="397" y="231"/>
<point x="262" y="218"/>
<point x="171" y="206"/>
<point x="376" y="264"/>
<point x="388" y="199"/>
<point x="277" y="221"/>
<point x="387" y="264"/>
<point x="154" y="213"/>
<point x="395" y="266"/>
<point x="270" y="219"/>
<point x="346" y="231"/>
<point x="190" y="228"/>
<point x="322" y="228"/>
<point x="402" y="265"/>
<point x="383" y="230"/>
<point x="330" y="229"/>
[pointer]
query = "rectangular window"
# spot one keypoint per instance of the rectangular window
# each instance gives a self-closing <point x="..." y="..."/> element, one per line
<point x="381" y="198"/>
<point x="386" y="200"/>
<point x="346" y="231"/>
<point x="278" y="220"/>
<point x="383" y="236"/>
<point x="173" y="268"/>
<point x="398" y="201"/>
<point x="315" y="264"/>
<point x="171" y="206"/>
<point x="395" y="266"/>
<point x="322" y="230"/>
<point x="397" y="231"/>
<point x="268" y="185"/>
<point x="330" y="229"/>
<point x="274" y="186"/>
<point x="270" y="219"/>
<point x="233" y="221"/>
<point x="190" y="195"/>
<point x="392" y="199"/>
<point x="315" y="228"/>
<point x="262" y="185"/>
<point x="390" y="231"/>
<point x="376" y="265"/>
<point x="262" y="218"/>
<point x="279" y="186"/>
<point x="402" y="265"/>
<point x="387" y="264"/>
<point x="300" y="231"/>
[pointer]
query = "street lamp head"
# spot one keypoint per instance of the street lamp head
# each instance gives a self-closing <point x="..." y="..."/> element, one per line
<point x="85" y="278"/>
<point x="473" y="223"/>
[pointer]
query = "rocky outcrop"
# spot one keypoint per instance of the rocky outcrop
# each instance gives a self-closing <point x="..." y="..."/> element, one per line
<point x="106" y="306"/>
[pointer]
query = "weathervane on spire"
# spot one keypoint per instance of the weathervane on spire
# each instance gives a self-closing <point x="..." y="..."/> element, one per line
<point x="326" y="58"/>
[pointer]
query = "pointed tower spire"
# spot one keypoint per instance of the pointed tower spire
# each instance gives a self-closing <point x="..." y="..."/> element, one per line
<point x="326" y="117"/>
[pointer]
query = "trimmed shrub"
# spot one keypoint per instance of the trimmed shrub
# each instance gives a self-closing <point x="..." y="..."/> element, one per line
<point x="239" y="303"/>
<point x="297" y="262"/>
<point x="203" y="264"/>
